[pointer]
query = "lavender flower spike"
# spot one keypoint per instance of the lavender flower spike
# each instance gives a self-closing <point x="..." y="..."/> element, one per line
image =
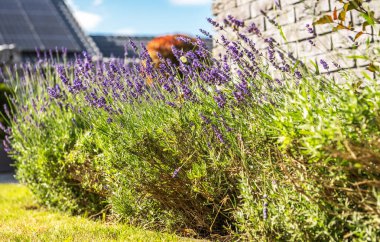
<point x="324" y="64"/>
<point x="175" y="173"/>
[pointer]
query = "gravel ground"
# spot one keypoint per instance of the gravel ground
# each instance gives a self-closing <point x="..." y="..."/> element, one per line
<point x="7" y="178"/>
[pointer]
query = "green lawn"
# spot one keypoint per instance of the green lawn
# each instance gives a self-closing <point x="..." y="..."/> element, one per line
<point x="21" y="219"/>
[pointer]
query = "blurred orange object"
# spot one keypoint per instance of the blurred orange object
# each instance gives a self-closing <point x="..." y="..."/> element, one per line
<point x="163" y="45"/>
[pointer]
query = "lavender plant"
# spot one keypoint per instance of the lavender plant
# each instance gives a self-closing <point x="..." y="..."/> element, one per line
<point x="250" y="145"/>
<point x="41" y="134"/>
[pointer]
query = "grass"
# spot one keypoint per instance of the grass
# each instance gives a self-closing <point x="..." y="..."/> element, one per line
<point x="21" y="219"/>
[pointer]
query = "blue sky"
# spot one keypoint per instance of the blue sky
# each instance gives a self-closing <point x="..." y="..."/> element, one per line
<point x="142" y="17"/>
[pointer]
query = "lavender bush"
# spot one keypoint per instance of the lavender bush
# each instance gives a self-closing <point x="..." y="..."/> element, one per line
<point x="251" y="145"/>
<point x="45" y="132"/>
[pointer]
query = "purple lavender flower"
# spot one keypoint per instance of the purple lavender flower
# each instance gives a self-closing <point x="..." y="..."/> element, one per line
<point x="309" y="29"/>
<point x="133" y="45"/>
<point x="220" y="99"/>
<point x="233" y="50"/>
<point x="176" y="171"/>
<point x="206" y="33"/>
<point x="336" y="64"/>
<point x="243" y="87"/>
<point x="238" y="95"/>
<point x="254" y="29"/>
<point x="298" y="74"/>
<point x="78" y="85"/>
<point x="285" y="68"/>
<point x="64" y="51"/>
<point x="167" y="87"/>
<point x="218" y="134"/>
<point x="214" y="23"/>
<point x="244" y="37"/>
<point x="225" y="41"/>
<point x="236" y="22"/>
<point x="226" y="67"/>
<point x="6" y="110"/>
<point x="6" y="146"/>
<point x="311" y="42"/>
<point x="187" y="93"/>
<point x="171" y="104"/>
<point x="62" y="74"/>
<point x="324" y="64"/>
<point x="205" y="119"/>
<point x="101" y="102"/>
<point x="271" y="54"/>
<point x="54" y="92"/>
<point x="265" y="211"/>
<point x="196" y="64"/>
<point x="2" y="127"/>
<point x="184" y="39"/>
<point x="270" y="41"/>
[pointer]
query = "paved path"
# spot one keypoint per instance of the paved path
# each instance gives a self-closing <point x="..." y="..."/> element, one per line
<point x="7" y="178"/>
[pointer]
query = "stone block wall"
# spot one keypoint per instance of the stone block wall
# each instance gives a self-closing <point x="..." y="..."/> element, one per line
<point x="292" y="16"/>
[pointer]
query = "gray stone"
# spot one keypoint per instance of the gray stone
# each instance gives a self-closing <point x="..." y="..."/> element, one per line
<point x="261" y="5"/>
<point x="217" y="6"/>
<point x="242" y="12"/>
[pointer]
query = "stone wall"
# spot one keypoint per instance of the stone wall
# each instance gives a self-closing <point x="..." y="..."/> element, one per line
<point x="292" y="16"/>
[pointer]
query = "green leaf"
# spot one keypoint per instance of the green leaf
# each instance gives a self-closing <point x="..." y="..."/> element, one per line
<point x="357" y="57"/>
<point x="365" y="24"/>
<point x="350" y="6"/>
<point x="366" y="76"/>
<point x="282" y="33"/>
<point x="354" y="4"/>
<point x="316" y="66"/>
<point x="368" y="18"/>
<point x="266" y="76"/>
<point x="327" y="19"/>
<point x="295" y="65"/>
<point x="373" y="68"/>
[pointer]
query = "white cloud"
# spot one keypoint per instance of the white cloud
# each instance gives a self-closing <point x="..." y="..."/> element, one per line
<point x="190" y="2"/>
<point x="97" y="2"/>
<point x="71" y="4"/>
<point x="126" y="31"/>
<point x="88" y="21"/>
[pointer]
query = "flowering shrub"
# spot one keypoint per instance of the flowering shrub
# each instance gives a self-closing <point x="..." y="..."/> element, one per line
<point x="45" y="132"/>
<point x="161" y="47"/>
<point x="249" y="145"/>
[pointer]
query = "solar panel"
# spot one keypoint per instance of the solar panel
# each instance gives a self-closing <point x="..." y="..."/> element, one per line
<point x="14" y="30"/>
<point x="115" y="45"/>
<point x="35" y="23"/>
<point x="7" y="5"/>
<point x="39" y="6"/>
